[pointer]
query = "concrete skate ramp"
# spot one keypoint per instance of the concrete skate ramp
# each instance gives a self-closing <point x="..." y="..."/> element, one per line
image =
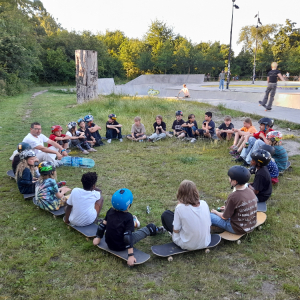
<point x="106" y="86"/>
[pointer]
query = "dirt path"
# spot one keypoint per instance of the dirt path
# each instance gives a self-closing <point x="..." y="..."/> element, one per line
<point x="38" y="93"/>
<point x="28" y="111"/>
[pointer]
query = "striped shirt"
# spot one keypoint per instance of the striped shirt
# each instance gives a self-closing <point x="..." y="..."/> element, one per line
<point x="281" y="158"/>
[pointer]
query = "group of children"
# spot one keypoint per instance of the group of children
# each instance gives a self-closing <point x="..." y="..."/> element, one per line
<point x="83" y="205"/>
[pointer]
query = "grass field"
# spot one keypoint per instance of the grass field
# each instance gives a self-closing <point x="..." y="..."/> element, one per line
<point x="41" y="259"/>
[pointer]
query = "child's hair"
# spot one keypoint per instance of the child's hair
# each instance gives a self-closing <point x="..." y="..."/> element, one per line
<point x="227" y="118"/>
<point x="248" y="120"/>
<point x="88" y="180"/>
<point x="184" y="85"/>
<point x="136" y="119"/>
<point x="159" y="117"/>
<point x="191" y="116"/>
<point x="209" y="114"/>
<point x="21" y="167"/>
<point x="52" y="175"/>
<point x="188" y="193"/>
<point x="274" y="64"/>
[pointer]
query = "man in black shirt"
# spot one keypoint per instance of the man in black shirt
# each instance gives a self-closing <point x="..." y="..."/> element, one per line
<point x="272" y="85"/>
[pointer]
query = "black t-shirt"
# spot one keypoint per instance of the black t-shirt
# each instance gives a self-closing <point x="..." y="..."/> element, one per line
<point x="177" y="125"/>
<point x="163" y="125"/>
<point x="212" y="125"/>
<point x="195" y="123"/>
<point x="118" y="222"/>
<point x="273" y="75"/>
<point x="224" y="127"/>
<point x="263" y="184"/>
<point x="87" y="133"/>
<point x="15" y="162"/>
<point x="114" y="123"/>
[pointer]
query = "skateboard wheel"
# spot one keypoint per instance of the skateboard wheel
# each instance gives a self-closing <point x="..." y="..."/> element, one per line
<point x="238" y="242"/>
<point x="207" y="251"/>
<point x="54" y="216"/>
<point x="259" y="227"/>
<point x="170" y="258"/>
<point x="87" y="239"/>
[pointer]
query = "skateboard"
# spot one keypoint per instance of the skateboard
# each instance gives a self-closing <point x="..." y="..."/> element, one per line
<point x="28" y="196"/>
<point x="140" y="256"/>
<point x="55" y="213"/>
<point x="11" y="174"/>
<point x="88" y="231"/>
<point x="262" y="206"/>
<point x="78" y="162"/>
<point x="169" y="249"/>
<point x="260" y="219"/>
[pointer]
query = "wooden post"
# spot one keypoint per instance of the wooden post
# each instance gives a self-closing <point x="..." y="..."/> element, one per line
<point x="86" y="75"/>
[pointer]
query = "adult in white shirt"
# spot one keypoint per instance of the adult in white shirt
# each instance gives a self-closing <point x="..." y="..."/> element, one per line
<point x="84" y="205"/>
<point x="36" y="140"/>
<point x="190" y="225"/>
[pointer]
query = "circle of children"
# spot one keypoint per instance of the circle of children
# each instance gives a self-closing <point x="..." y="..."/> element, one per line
<point x="260" y="152"/>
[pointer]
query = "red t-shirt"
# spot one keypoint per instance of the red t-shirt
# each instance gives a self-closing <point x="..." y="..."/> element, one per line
<point x="53" y="136"/>
<point x="256" y="135"/>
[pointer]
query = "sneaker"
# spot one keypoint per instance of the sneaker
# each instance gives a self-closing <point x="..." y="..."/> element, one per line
<point x="233" y="152"/>
<point x="160" y="229"/>
<point x="85" y="152"/>
<point x="169" y="135"/>
<point x="109" y="141"/>
<point x="233" y="147"/>
<point x="238" y="158"/>
<point x="193" y="140"/>
<point x="141" y="141"/>
<point x="268" y="108"/>
<point x="58" y="163"/>
<point x="136" y="222"/>
<point x="121" y="140"/>
<point x="92" y="150"/>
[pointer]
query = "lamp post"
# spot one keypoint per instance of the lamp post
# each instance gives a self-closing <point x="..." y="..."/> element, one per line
<point x="254" y="64"/>
<point x="229" y="56"/>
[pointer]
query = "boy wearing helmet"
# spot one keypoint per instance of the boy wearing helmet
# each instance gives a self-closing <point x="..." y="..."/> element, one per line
<point x="119" y="226"/>
<point x="113" y="128"/>
<point x="94" y="130"/>
<point x="82" y="128"/>
<point x="57" y="136"/>
<point x="280" y="156"/>
<point x="179" y="132"/>
<point x="239" y="213"/>
<point x="262" y="185"/>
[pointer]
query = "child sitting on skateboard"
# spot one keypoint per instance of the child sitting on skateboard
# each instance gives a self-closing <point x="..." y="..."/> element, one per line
<point x="82" y="128"/>
<point x="25" y="176"/>
<point x="118" y="226"/>
<point x="94" y="130"/>
<point x="280" y="156"/>
<point x="84" y="205"/>
<point x="78" y="139"/>
<point x="113" y="129"/>
<point x="238" y="216"/>
<point x="138" y="131"/>
<point x="190" y="224"/>
<point x="16" y="158"/>
<point x="48" y="195"/>
<point x="225" y="130"/>
<point x="177" y="125"/>
<point x="262" y="185"/>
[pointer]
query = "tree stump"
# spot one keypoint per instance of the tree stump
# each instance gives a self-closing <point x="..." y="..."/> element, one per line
<point x="86" y="75"/>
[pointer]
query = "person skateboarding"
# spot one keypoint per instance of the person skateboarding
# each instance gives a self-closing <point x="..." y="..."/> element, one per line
<point x="185" y="91"/>
<point x="272" y="85"/>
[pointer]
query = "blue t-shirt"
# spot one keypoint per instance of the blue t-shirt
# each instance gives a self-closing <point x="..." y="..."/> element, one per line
<point x="212" y="125"/>
<point x="280" y="157"/>
<point x="273" y="169"/>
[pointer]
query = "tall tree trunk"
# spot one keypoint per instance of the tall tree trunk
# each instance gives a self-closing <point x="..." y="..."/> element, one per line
<point x="86" y="75"/>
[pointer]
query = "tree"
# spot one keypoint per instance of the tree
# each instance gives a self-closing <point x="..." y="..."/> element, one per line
<point x="164" y="56"/>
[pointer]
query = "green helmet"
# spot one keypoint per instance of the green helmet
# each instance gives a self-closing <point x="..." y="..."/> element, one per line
<point x="46" y="167"/>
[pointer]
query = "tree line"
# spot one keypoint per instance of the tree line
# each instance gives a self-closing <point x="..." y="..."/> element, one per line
<point x="35" y="48"/>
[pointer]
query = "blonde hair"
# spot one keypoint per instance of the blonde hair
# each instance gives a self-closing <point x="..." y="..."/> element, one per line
<point x="274" y="64"/>
<point x="136" y="119"/>
<point x="248" y="120"/>
<point x="227" y="118"/>
<point x="188" y="193"/>
<point x="44" y="177"/>
<point x="21" y="167"/>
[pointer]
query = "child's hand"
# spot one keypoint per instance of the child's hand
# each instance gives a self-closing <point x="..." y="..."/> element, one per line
<point x="64" y="153"/>
<point x="96" y="241"/>
<point x="131" y="260"/>
<point x="214" y="211"/>
<point x="65" y="189"/>
<point x="117" y="130"/>
<point x="59" y="156"/>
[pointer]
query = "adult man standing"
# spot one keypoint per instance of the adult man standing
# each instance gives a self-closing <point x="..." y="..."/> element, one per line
<point x="36" y="140"/>
<point x="221" y="78"/>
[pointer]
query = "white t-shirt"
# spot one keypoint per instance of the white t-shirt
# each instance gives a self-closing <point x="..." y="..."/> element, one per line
<point x="193" y="224"/>
<point x="83" y="212"/>
<point x="35" y="141"/>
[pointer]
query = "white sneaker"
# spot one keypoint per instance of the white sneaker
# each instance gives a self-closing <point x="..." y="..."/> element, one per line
<point x="121" y="140"/>
<point x="193" y="140"/>
<point x="136" y="222"/>
<point x="85" y="152"/>
<point x="109" y="141"/>
<point x="92" y="150"/>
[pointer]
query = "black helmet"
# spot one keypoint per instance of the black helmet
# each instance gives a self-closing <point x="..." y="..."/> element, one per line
<point x="112" y="116"/>
<point x="266" y="121"/>
<point x="23" y="146"/>
<point x="271" y="126"/>
<point x="179" y="113"/>
<point x="46" y="167"/>
<point x="268" y="148"/>
<point x="261" y="156"/>
<point x="240" y="174"/>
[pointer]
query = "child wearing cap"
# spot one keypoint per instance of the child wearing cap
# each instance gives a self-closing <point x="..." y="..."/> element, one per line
<point x="118" y="226"/>
<point x="177" y="125"/>
<point x="113" y="129"/>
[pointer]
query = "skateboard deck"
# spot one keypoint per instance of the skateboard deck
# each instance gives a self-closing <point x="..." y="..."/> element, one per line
<point x="260" y="219"/>
<point x="262" y="206"/>
<point x="11" y="174"/>
<point x="28" y="196"/>
<point x="55" y="213"/>
<point x="88" y="231"/>
<point x="172" y="249"/>
<point x="79" y="162"/>
<point x="140" y="256"/>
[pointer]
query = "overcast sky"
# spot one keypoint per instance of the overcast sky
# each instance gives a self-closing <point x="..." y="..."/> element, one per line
<point x="195" y="19"/>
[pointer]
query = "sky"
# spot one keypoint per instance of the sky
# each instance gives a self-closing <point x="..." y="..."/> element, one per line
<point x="197" y="20"/>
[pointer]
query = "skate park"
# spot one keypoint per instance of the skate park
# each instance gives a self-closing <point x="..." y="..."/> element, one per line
<point x="241" y="95"/>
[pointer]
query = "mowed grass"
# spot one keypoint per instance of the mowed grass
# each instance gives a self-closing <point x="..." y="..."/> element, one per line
<point x="41" y="259"/>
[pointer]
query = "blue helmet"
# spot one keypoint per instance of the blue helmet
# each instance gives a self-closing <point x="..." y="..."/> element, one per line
<point x="23" y="146"/>
<point x="88" y="118"/>
<point x="80" y="120"/>
<point x="121" y="199"/>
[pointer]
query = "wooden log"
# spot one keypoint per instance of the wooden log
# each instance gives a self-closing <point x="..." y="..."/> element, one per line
<point x="86" y="75"/>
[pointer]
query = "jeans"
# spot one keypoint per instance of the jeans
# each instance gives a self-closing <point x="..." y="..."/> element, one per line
<point x="189" y="131"/>
<point x="167" y="219"/>
<point x="270" y="89"/>
<point x="157" y="137"/>
<point x="221" y="84"/>
<point x="96" y="136"/>
<point x="80" y="143"/>
<point x="112" y="133"/>
<point x="219" y="222"/>
<point x="254" y="145"/>
<point x="140" y="234"/>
